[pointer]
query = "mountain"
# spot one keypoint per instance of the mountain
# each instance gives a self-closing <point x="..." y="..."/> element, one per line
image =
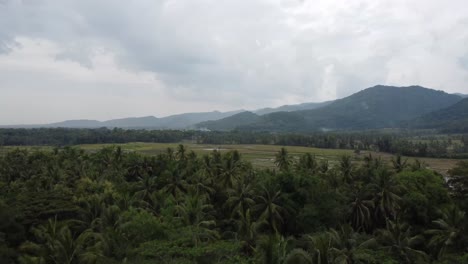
<point x="81" y="123"/>
<point x="291" y="108"/>
<point x="451" y="119"/>
<point x="231" y="122"/>
<point x="375" y="107"/>
<point x="188" y="120"/>
<point x="180" y="121"/>
<point x="132" y="122"/>
<point x="462" y="95"/>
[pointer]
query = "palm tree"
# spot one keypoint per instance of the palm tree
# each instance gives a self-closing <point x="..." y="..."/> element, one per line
<point x="145" y="186"/>
<point x="320" y="246"/>
<point x="360" y="211"/>
<point x="180" y="153"/>
<point x="307" y="163"/>
<point x="230" y="169"/>
<point x="386" y="199"/>
<point x="247" y="230"/>
<point x="269" y="209"/>
<point x="397" y="239"/>
<point x="273" y="249"/>
<point x="195" y="213"/>
<point x="282" y="160"/>
<point x="240" y="198"/>
<point x="346" y="168"/>
<point x="346" y="243"/>
<point x="58" y="245"/>
<point x="399" y="164"/>
<point x="175" y="183"/>
<point x="449" y="231"/>
<point x="170" y="154"/>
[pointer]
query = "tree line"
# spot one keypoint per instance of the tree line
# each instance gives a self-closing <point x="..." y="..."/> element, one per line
<point x="112" y="206"/>
<point x="408" y="143"/>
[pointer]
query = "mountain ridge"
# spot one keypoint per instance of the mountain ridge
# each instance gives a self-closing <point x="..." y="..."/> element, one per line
<point x="375" y="107"/>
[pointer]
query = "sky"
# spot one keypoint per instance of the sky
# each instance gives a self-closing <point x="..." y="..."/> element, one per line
<point x="105" y="59"/>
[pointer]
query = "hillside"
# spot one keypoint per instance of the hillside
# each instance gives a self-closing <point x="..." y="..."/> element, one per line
<point x="291" y="108"/>
<point x="451" y="119"/>
<point x="232" y="122"/>
<point x="375" y="107"/>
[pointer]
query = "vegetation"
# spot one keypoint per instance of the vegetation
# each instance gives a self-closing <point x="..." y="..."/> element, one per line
<point x="112" y="206"/>
<point x="404" y="142"/>
<point x="375" y="107"/>
<point x="451" y="119"/>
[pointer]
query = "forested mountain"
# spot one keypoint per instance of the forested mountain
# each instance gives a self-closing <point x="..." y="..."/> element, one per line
<point x="451" y="119"/>
<point x="375" y="107"/>
<point x="291" y="108"/>
<point x="231" y="122"/>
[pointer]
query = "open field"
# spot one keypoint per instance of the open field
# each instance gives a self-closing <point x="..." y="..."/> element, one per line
<point x="261" y="156"/>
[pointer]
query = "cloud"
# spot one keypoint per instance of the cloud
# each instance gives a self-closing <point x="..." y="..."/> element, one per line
<point x="149" y="57"/>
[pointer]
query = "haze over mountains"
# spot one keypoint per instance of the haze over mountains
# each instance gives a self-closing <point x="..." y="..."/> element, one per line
<point x="372" y="108"/>
<point x="180" y="121"/>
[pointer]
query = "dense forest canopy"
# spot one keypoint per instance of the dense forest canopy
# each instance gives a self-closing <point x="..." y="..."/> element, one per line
<point x="70" y="206"/>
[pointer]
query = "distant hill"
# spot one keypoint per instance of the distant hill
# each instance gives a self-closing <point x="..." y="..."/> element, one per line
<point x="451" y="119"/>
<point x="81" y="123"/>
<point x="231" y="122"/>
<point x="291" y="108"/>
<point x="462" y="95"/>
<point x="180" y="121"/>
<point x="375" y="107"/>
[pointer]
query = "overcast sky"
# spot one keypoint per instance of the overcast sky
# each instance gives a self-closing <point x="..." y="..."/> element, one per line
<point x="103" y="59"/>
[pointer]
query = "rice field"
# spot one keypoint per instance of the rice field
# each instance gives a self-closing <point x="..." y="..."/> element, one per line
<point x="261" y="156"/>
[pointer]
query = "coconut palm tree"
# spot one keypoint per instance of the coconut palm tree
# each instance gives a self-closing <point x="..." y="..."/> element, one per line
<point x="386" y="199"/>
<point x="247" y="231"/>
<point x="398" y="239"/>
<point x="347" y="243"/>
<point x="240" y="198"/>
<point x="230" y="171"/>
<point x="181" y="152"/>
<point x="59" y="245"/>
<point x="360" y="209"/>
<point x="346" y="167"/>
<point x="175" y="183"/>
<point x="196" y="213"/>
<point x="273" y="249"/>
<point x="269" y="209"/>
<point x="282" y="160"/>
<point x="145" y="186"/>
<point x="399" y="164"/>
<point x="449" y="231"/>
<point x="320" y="246"/>
<point x="307" y="163"/>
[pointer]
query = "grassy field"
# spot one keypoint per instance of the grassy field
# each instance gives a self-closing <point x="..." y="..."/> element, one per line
<point x="261" y="156"/>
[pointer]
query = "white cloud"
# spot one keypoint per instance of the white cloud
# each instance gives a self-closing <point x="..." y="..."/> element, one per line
<point x="105" y="59"/>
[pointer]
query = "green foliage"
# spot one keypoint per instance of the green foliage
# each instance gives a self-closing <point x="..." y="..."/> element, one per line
<point x="114" y="206"/>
